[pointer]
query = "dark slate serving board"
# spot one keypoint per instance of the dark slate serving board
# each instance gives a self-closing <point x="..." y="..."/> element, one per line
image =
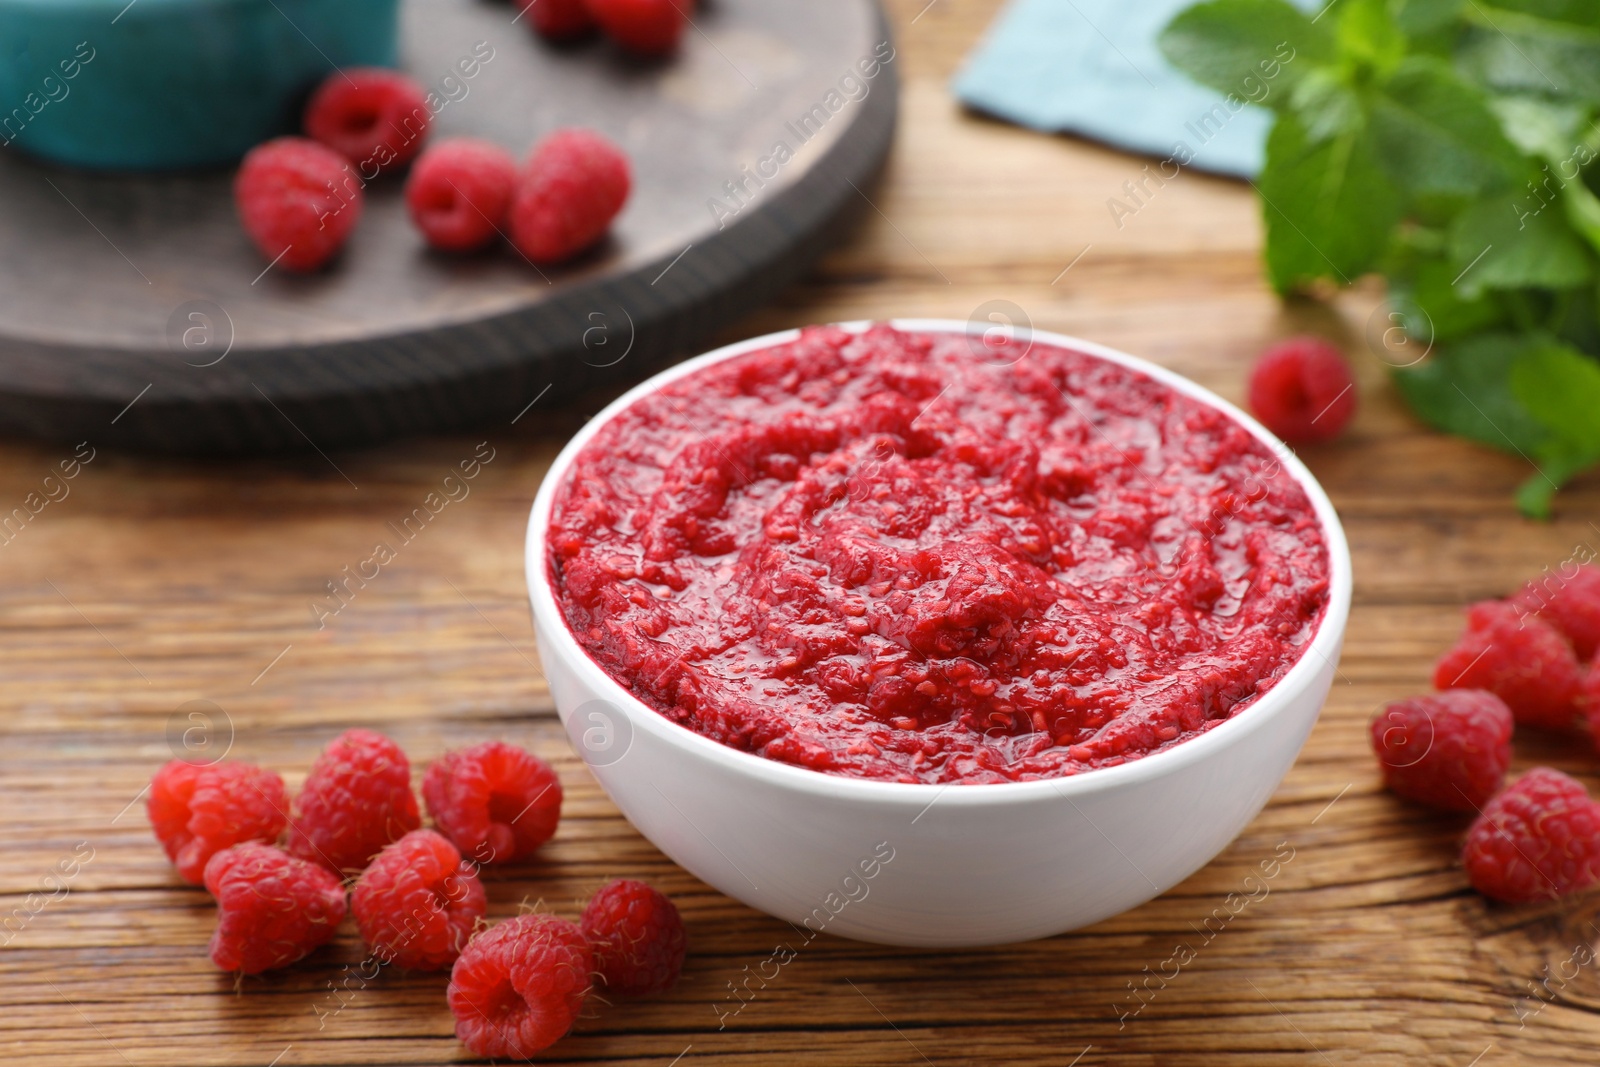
<point x="133" y="310"/>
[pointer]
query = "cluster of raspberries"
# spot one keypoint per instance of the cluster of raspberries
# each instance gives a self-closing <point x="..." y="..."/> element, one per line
<point x="301" y="197"/>
<point x="642" y="27"/>
<point x="1528" y="661"/>
<point x="515" y="987"/>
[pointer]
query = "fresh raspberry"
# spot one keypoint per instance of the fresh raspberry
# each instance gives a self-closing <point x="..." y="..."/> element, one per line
<point x="298" y="201"/>
<point x="574" y="184"/>
<point x="356" y="799"/>
<point x="459" y="193"/>
<point x="558" y="20"/>
<point x="497" y="802"/>
<point x="637" y="938"/>
<point x="1301" y="390"/>
<point x="1448" y="750"/>
<point x="643" y="27"/>
<point x="417" y="903"/>
<point x="518" y="987"/>
<point x="375" y="118"/>
<point x="1589" y="699"/>
<point x="1521" y="660"/>
<point x="1538" y="840"/>
<point x="272" y="909"/>
<point x="197" y="811"/>
<point x="1571" y="605"/>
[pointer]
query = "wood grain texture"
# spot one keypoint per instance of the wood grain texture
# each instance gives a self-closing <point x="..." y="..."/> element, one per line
<point x="158" y="582"/>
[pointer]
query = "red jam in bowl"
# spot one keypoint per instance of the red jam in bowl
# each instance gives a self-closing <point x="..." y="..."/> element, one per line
<point x="919" y="557"/>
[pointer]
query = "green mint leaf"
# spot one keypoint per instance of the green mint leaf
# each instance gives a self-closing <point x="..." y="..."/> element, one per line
<point x="1577" y="318"/>
<point x="1424" y="18"/>
<point x="1505" y="243"/>
<point x="1577" y="12"/>
<point x="1582" y="207"/>
<point x="1329" y="207"/>
<point x="1465" y="389"/>
<point x="1435" y="311"/>
<point x="1370" y="45"/>
<point x="1223" y="42"/>
<point x="1326" y="105"/>
<point x="1559" y="135"/>
<point x="1437" y="137"/>
<point x="1513" y="51"/>
<point x="1540" y="127"/>
<point x="1535" y="496"/>
<point x="1560" y="387"/>
<point x="1481" y="389"/>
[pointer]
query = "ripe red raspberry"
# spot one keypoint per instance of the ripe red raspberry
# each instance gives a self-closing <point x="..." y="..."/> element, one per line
<point x="356" y="799"/>
<point x="1538" y="840"/>
<point x="518" y="987"/>
<point x="1571" y="605"/>
<point x="272" y="909"/>
<point x="197" y="811"/>
<point x="298" y="201"/>
<point x="459" y="193"/>
<point x="1301" y="390"/>
<point x="643" y="27"/>
<point x="375" y="118"/>
<point x="558" y="20"/>
<point x="574" y="184"/>
<point x="417" y="903"/>
<point x="1589" y="700"/>
<point x="637" y="938"/>
<point x="1449" y="750"/>
<point x="1521" y="660"/>
<point x="497" y="802"/>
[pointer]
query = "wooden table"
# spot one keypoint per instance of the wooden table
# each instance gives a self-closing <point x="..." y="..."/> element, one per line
<point x="155" y="583"/>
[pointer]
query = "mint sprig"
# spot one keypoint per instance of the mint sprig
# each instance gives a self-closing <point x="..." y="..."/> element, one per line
<point x="1452" y="146"/>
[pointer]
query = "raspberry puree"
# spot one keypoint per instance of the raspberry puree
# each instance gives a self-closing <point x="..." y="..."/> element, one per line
<point x="911" y="557"/>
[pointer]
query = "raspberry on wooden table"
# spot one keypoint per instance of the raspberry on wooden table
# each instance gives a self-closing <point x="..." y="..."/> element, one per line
<point x="643" y="27"/>
<point x="375" y="118"/>
<point x="1302" y="390"/>
<point x="558" y="20"/>
<point x="573" y="185"/>
<point x="517" y="988"/>
<point x="197" y="811"/>
<point x="1448" y="750"/>
<point x="356" y="799"/>
<point x="298" y="201"/>
<point x="1570" y="604"/>
<point x="497" y="802"/>
<point x="1521" y="659"/>
<point x="1589" y="700"/>
<point x="636" y="936"/>
<point x="459" y="192"/>
<point x="417" y="903"/>
<point x="272" y="909"/>
<point x="1537" y="840"/>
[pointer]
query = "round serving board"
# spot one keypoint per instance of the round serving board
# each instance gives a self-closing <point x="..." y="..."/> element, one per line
<point x="134" y="311"/>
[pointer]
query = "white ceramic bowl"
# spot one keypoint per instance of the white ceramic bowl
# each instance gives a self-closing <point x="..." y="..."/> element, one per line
<point x="944" y="865"/>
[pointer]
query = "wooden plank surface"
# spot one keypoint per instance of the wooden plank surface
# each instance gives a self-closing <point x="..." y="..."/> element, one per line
<point x="158" y="582"/>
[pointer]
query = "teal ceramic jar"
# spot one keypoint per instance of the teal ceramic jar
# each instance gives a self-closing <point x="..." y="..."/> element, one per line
<point x="162" y="84"/>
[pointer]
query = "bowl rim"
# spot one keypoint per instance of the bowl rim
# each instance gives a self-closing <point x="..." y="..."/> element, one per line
<point x="1323" y="648"/>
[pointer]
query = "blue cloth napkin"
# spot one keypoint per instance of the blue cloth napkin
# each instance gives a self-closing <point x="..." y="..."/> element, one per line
<point x="1091" y="67"/>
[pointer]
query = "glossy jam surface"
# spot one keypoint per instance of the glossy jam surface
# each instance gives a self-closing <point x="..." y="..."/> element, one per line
<point x="924" y="558"/>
